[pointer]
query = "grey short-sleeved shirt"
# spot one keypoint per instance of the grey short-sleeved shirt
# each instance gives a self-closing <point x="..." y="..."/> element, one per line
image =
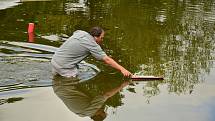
<point x="74" y="50"/>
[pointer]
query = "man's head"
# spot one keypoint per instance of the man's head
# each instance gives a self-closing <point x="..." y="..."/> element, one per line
<point x="100" y="115"/>
<point x="97" y="33"/>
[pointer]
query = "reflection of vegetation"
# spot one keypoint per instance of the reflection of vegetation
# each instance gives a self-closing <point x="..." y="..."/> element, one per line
<point x="170" y="38"/>
<point x="188" y="51"/>
<point x="178" y="46"/>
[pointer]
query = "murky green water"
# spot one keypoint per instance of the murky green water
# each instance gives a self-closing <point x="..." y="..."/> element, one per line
<point x="173" y="38"/>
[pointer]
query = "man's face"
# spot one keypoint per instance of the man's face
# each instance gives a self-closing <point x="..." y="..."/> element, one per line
<point x="100" y="38"/>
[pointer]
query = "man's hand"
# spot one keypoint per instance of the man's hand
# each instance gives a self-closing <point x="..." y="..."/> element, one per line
<point x="108" y="60"/>
<point x="126" y="73"/>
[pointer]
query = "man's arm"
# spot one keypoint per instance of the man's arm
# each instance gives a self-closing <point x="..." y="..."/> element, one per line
<point x="108" y="60"/>
<point x="112" y="92"/>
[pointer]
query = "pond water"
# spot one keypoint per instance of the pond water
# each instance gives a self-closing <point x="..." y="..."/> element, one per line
<point x="170" y="38"/>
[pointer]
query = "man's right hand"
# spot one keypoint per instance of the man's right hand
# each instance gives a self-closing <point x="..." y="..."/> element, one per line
<point x="108" y="60"/>
<point x="126" y="73"/>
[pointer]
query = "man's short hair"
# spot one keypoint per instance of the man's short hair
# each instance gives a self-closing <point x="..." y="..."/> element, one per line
<point x="100" y="115"/>
<point x="96" y="31"/>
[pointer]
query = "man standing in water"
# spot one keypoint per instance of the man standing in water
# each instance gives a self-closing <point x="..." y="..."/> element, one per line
<point x="79" y="46"/>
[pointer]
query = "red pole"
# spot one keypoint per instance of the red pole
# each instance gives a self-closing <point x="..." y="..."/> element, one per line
<point x="31" y="32"/>
<point x="30" y="27"/>
<point x="31" y="37"/>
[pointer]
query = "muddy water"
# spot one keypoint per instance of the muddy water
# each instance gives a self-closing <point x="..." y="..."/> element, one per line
<point x="174" y="39"/>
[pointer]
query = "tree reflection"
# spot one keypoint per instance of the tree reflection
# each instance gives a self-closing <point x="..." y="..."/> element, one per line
<point x="179" y="46"/>
<point x="188" y="51"/>
<point x="170" y="38"/>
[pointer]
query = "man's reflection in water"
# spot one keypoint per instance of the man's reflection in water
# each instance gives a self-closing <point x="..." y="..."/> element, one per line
<point x="79" y="98"/>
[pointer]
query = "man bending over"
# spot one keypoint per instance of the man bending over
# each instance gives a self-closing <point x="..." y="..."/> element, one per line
<point x="79" y="46"/>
